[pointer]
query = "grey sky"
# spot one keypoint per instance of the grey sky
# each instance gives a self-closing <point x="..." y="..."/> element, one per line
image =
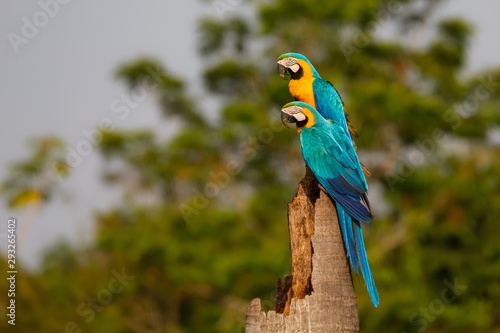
<point x="61" y="83"/>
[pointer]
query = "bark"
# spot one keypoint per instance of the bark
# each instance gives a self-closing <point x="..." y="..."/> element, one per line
<point x="318" y="296"/>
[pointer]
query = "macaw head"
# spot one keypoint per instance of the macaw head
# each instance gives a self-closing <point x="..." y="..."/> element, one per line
<point x="301" y="114"/>
<point x="297" y="66"/>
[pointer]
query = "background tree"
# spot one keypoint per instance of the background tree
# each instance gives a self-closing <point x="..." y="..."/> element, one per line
<point x="202" y="224"/>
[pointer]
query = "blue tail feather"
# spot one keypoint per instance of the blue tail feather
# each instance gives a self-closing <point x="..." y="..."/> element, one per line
<point x="365" y="267"/>
<point x="348" y="235"/>
<point x="344" y="221"/>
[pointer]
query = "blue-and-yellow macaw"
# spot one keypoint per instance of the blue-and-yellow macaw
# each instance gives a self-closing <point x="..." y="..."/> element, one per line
<point x="307" y="86"/>
<point x="329" y="152"/>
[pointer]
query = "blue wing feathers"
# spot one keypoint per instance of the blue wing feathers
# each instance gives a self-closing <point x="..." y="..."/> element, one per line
<point x="353" y="204"/>
<point x="339" y="172"/>
<point x="329" y="104"/>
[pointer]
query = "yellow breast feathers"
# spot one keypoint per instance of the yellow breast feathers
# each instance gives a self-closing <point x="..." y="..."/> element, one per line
<point x="302" y="88"/>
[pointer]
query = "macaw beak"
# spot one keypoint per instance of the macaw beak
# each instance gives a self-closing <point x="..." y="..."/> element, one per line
<point x="282" y="70"/>
<point x="287" y="119"/>
<point x="292" y="114"/>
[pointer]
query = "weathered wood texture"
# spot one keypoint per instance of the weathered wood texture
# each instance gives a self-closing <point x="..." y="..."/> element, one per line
<point x="320" y="297"/>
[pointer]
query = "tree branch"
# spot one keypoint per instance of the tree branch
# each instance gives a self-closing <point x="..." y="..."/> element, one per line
<point x="318" y="296"/>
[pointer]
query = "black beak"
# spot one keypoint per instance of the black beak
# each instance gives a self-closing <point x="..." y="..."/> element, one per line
<point x="287" y="119"/>
<point x="282" y="70"/>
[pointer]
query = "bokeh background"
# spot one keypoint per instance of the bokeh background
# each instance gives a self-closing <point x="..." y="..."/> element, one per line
<point x="143" y="156"/>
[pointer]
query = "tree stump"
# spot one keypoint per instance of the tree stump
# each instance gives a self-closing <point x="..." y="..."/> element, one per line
<point x="319" y="295"/>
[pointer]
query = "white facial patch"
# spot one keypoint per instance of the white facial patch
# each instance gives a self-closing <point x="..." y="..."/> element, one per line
<point x="296" y="112"/>
<point x="299" y="117"/>
<point x="295" y="68"/>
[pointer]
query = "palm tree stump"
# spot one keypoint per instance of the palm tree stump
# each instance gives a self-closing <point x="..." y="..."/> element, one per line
<point x="319" y="295"/>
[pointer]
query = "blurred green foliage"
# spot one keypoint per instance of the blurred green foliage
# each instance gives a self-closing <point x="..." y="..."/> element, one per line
<point x="202" y="225"/>
<point x="31" y="181"/>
